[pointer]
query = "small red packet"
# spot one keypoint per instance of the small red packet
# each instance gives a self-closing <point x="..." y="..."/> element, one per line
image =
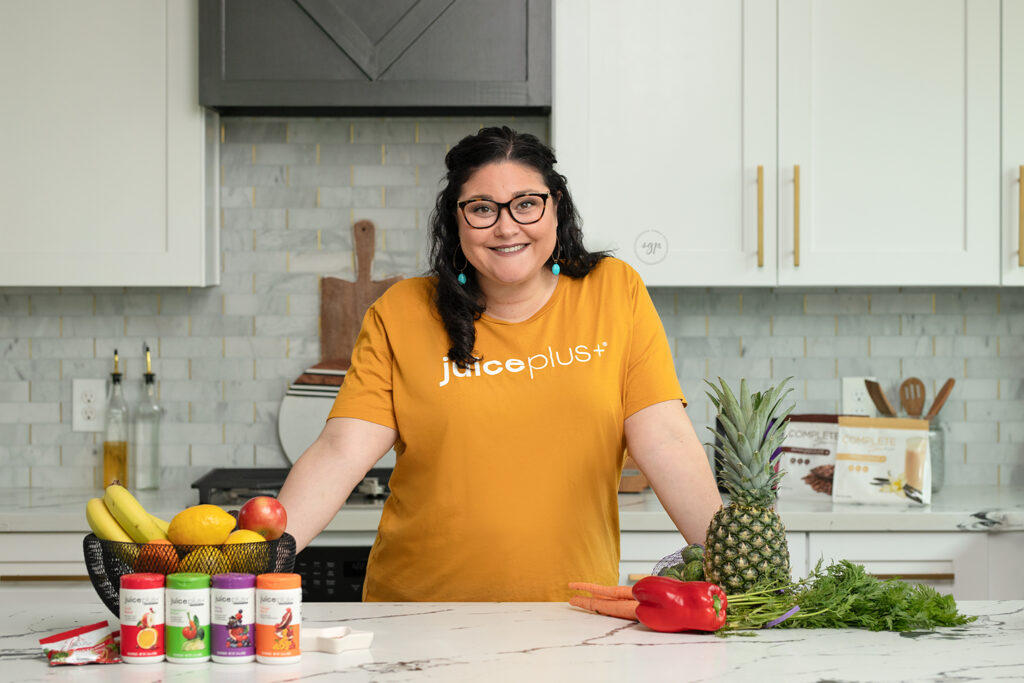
<point x="93" y="644"/>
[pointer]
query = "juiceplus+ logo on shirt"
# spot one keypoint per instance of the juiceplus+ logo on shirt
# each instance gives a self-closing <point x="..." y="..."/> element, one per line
<point x="533" y="364"/>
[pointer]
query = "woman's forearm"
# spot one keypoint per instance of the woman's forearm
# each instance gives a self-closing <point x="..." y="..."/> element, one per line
<point x="664" y="444"/>
<point x="328" y="471"/>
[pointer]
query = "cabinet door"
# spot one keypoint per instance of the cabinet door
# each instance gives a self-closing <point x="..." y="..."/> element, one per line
<point x="953" y="562"/>
<point x="1012" y="181"/>
<point x="103" y="144"/>
<point x="318" y="54"/>
<point x="890" y="111"/>
<point x="663" y="112"/>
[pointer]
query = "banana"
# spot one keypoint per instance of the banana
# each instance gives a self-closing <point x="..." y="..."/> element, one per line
<point x="130" y="514"/>
<point x="160" y="523"/>
<point x="103" y="523"/>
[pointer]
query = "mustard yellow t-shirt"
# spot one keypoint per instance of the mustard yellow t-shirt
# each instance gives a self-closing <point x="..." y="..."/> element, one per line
<point x="505" y="484"/>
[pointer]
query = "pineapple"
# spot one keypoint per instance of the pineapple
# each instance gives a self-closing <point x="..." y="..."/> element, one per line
<point x="746" y="542"/>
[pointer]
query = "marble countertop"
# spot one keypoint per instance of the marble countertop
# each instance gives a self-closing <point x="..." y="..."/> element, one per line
<point x="498" y="642"/>
<point x="977" y="508"/>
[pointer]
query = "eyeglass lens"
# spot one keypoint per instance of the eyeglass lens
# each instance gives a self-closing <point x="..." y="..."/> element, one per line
<point x="483" y="213"/>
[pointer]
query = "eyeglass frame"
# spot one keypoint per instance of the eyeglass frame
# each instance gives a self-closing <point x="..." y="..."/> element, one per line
<point x="507" y="206"/>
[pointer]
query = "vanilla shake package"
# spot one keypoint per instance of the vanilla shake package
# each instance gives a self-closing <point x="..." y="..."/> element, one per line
<point x="883" y="461"/>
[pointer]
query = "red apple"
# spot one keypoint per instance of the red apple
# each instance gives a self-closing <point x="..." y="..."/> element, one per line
<point x="264" y="515"/>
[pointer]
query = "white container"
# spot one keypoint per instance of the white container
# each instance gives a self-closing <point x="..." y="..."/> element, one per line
<point x="278" y="618"/>
<point x="233" y="618"/>
<point x="141" y="600"/>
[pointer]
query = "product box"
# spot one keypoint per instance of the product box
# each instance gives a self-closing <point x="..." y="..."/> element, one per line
<point x="808" y="457"/>
<point x="883" y="461"/>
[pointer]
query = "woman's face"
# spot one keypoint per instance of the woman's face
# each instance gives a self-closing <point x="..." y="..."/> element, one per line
<point x="508" y="253"/>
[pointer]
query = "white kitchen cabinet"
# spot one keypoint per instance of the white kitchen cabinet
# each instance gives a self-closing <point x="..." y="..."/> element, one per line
<point x="1005" y="561"/>
<point x="109" y="164"/>
<point x="663" y="114"/>
<point x="1012" y="180"/>
<point x="639" y="551"/>
<point x="890" y="112"/>
<point x="37" y="555"/>
<point x="951" y="562"/>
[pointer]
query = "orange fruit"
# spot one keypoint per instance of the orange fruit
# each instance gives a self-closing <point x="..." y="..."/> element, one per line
<point x="158" y="556"/>
<point x="146" y="638"/>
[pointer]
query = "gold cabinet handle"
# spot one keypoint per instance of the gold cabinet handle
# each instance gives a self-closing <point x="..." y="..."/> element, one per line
<point x="796" y="215"/>
<point x="760" y="216"/>
<point x="1020" y="218"/>
<point x="633" y="578"/>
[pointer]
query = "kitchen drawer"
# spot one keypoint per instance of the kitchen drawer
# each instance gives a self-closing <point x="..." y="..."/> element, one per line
<point x="43" y="554"/>
<point x="951" y="562"/>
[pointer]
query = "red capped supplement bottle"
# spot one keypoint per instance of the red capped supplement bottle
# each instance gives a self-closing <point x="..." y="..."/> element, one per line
<point x="142" y="618"/>
<point x="278" y="618"/>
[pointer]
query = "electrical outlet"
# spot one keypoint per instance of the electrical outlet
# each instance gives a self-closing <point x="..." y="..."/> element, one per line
<point x="88" y="404"/>
<point x="856" y="400"/>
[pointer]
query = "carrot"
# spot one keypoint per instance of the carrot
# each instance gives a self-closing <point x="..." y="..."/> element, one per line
<point x="623" y="609"/>
<point x="613" y="592"/>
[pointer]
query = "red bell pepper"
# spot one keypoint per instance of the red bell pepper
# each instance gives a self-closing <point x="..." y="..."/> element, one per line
<point x="670" y="605"/>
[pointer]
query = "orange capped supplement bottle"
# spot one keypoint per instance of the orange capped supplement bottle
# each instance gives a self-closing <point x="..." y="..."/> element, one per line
<point x="278" y="618"/>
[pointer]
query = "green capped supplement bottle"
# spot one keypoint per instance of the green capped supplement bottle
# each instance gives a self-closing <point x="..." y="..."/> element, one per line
<point x="188" y="618"/>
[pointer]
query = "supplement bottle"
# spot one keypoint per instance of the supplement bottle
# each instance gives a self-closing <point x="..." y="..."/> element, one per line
<point x="188" y="618"/>
<point x="278" y="618"/>
<point x="233" y="618"/>
<point x="142" y="618"/>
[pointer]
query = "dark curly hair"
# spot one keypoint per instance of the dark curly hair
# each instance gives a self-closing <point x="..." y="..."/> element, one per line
<point x="461" y="305"/>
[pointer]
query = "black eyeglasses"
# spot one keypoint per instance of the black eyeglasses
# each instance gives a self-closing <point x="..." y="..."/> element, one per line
<point x="524" y="209"/>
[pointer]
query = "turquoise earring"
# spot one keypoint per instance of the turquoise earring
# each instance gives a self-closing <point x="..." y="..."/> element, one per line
<point x="462" y="276"/>
<point x="555" y="268"/>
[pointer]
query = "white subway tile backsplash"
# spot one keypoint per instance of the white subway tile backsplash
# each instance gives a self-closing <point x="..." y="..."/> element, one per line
<point x="292" y="188"/>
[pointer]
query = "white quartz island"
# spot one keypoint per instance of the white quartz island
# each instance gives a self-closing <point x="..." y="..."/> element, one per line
<point x="542" y="642"/>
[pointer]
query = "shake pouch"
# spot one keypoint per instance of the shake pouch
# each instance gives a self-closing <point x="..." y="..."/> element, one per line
<point x="809" y="457"/>
<point x="882" y="460"/>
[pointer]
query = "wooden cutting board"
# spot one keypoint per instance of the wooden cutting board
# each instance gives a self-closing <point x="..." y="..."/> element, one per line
<point x="343" y="303"/>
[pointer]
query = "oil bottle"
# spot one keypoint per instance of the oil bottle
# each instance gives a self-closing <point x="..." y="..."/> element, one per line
<point x="115" y="431"/>
<point x="144" y="461"/>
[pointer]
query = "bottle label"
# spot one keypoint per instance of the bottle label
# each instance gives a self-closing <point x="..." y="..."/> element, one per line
<point x="278" y="615"/>
<point x="231" y="626"/>
<point x="142" y="623"/>
<point x="188" y="623"/>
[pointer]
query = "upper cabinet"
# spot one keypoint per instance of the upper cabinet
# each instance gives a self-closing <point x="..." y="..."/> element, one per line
<point x="785" y="143"/>
<point x="1012" y="175"/>
<point x="331" y="55"/>
<point x="108" y="162"/>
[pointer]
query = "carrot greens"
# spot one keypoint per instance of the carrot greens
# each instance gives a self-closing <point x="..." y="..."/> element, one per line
<point x="843" y="595"/>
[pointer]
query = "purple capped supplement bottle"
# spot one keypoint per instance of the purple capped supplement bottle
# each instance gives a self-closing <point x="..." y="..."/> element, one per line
<point x="232" y="618"/>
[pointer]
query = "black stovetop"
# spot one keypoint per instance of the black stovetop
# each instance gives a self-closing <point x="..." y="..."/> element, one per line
<point x="231" y="485"/>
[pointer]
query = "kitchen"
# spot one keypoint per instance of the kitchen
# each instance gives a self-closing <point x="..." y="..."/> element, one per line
<point x="289" y="189"/>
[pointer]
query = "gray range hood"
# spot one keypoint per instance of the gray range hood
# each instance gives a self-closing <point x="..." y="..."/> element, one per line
<point x="296" y="57"/>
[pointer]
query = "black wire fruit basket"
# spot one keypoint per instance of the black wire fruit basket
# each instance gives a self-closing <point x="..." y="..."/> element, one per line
<point x="108" y="561"/>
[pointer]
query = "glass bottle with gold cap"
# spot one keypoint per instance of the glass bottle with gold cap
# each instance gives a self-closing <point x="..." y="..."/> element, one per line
<point x="144" y="463"/>
<point x="115" y="431"/>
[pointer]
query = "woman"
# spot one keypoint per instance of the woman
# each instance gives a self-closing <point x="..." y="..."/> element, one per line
<point x="509" y="382"/>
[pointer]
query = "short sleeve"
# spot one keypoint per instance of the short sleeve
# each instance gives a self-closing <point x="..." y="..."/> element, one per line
<point x="366" y="392"/>
<point x="651" y="373"/>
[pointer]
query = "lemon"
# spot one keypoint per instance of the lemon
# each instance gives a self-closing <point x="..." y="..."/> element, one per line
<point x="248" y="558"/>
<point x="200" y="525"/>
<point x="205" y="561"/>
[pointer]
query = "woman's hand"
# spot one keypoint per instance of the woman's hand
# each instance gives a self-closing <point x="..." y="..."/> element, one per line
<point x="661" y="440"/>
<point x="325" y="475"/>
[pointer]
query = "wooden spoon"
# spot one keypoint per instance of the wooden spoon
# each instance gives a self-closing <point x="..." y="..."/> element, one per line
<point x="878" y="398"/>
<point x="912" y="396"/>
<point x="940" y="398"/>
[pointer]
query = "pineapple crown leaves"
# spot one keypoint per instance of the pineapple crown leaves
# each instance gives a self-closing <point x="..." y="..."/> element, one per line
<point x="752" y="429"/>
